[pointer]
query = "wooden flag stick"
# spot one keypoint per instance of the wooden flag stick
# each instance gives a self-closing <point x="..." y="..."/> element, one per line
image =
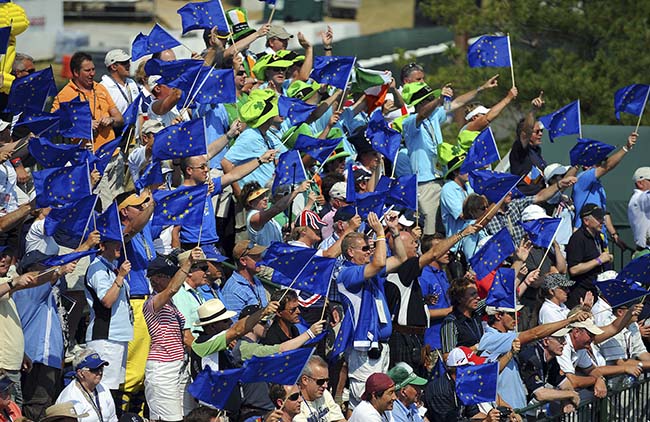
<point x="329" y="285"/>
<point x="271" y="15"/>
<point x="638" y="122"/>
<point x="549" y="248"/>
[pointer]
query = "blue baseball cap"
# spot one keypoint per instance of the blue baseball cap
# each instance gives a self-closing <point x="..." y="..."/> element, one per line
<point x="92" y="361"/>
<point x="5" y="383"/>
<point x="212" y="254"/>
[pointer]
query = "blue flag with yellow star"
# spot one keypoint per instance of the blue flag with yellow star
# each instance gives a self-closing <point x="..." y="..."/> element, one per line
<point x="318" y="149"/>
<point x="489" y="51"/>
<point x="637" y="270"/>
<point x="206" y="85"/>
<point x="370" y="202"/>
<point x="494" y="185"/>
<point x="289" y="170"/>
<point x="108" y="224"/>
<point x="59" y="186"/>
<point x="565" y="121"/>
<point x="68" y="258"/>
<point x="294" y="109"/>
<point x="31" y="92"/>
<point x="631" y="99"/>
<point x="299" y="267"/>
<point x="184" y="139"/>
<point x="76" y="120"/>
<point x="173" y="70"/>
<point x="40" y="123"/>
<point x="72" y="219"/>
<point x="156" y="41"/>
<point x="492" y="253"/>
<point x="282" y="368"/>
<point x="482" y="152"/>
<point x="383" y="139"/>
<point x="5" y="34"/>
<point x="350" y="188"/>
<point x="215" y="387"/>
<point x="131" y="113"/>
<point x="618" y="292"/>
<point x="343" y="339"/>
<point x="589" y="152"/>
<point x="477" y="383"/>
<point x="541" y="232"/>
<point x="403" y="192"/>
<point x="502" y="291"/>
<point x="104" y="154"/>
<point x="181" y="206"/>
<point x="203" y="15"/>
<point x="333" y="70"/>
<point x="49" y="154"/>
<point x="152" y="175"/>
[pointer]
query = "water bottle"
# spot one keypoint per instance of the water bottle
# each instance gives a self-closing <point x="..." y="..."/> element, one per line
<point x="446" y="103"/>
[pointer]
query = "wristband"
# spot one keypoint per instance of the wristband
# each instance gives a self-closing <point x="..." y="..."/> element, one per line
<point x="380" y="238"/>
<point x="118" y="285"/>
<point x="625" y="148"/>
<point x="16" y="162"/>
<point x="599" y="261"/>
<point x="310" y="334"/>
<point x="614" y="234"/>
<point x="327" y="48"/>
<point x="259" y="161"/>
<point x="479" y="89"/>
<point x="10" y="283"/>
<point x="184" y="272"/>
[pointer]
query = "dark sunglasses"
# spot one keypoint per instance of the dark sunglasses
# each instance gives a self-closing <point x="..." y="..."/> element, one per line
<point x="29" y="71"/>
<point x="539" y="131"/>
<point x="97" y="371"/>
<point x="365" y="248"/>
<point x="200" y="267"/>
<point x="293" y="397"/>
<point x="241" y="73"/>
<point x="320" y="381"/>
<point x="292" y="310"/>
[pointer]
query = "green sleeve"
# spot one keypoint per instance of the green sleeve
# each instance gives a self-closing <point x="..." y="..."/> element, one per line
<point x="248" y="350"/>
<point x="214" y="344"/>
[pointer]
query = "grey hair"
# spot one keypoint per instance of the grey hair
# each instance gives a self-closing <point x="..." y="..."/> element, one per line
<point x="315" y="361"/>
<point x="18" y="61"/>
<point x="81" y="355"/>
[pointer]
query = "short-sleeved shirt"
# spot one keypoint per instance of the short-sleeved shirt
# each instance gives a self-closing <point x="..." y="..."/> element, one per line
<point x="402" y="413"/>
<point x="434" y="284"/>
<point x="627" y="344"/>
<point x="535" y="371"/>
<point x="140" y="250"/>
<point x="12" y="342"/>
<point x="402" y="289"/>
<point x="572" y="358"/>
<point x="552" y="312"/>
<point x="522" y="161"/>
<point x="323" y="409"/>
<point x="452" y="197"/>
<point x="275" y="335"/>
<point x="217" y="122"/>
<point x="583" y="247"/>
<point x="115" y="323"/>
<point x="267" y="234"/>
<point x="510" y="219"/>
<point x="166" y="330"/>
<point x="588" y="190"/>
<point x="190" y="233"/>
<point x="122" y="95"/>
<point x="422" y="143"/>
<point x="249" y="145"/>
<point x="188" y="300"/>
<point x="100" y="103"/>
<point x="73" y="393"/>
<point x="238" y="293"/>
<point x="638" y="215"/>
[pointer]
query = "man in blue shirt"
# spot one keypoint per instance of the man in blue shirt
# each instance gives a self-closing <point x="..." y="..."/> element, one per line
<point x="243" y="288"/>
<point x="408" y="388"/>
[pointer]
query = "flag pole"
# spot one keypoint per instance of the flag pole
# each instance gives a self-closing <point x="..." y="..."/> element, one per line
<point x="347" y="81"/>
<point x="512" y="68"/>
<point x="187" y="105"/>
<point x="126" y="258"/>
<point x="329" y="285"/>
<point x="271" y="15"/>
<point x="291" y="284"/>
<point x="549" y="247"/>
<point x="580" y="120"/>
<point x="392" y="171"/>
<point x="417" y="202"/>
<point x="92" y="212"/>
<point x="638" y="122"/>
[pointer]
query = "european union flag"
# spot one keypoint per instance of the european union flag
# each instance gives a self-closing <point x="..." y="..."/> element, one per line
<point x="637" y="270"/>
<point x="619" y="292"/>
<point x="158" y="40"/>
<point x="72" y="219"/>
<point x="403" y="192"/>
<point x="589" y="152"/>
<point x="49" y="155"/>
<point x="294" y="109"/>
<point x="104" y="154"/>
<point x="203" y="15"/>
<point x="494" y="185"/>
<point x="289" y="170"/>
<point x="40" y="123"/>
<point x="171" y="71"/>
<point x="68" y="258"/>
<point x="109" y="225"/>
<point x="152" y="175"/>
<point x="502" y="291"/>
<point x="631" y="99"/>
<point x="382" y="138"/>
<point x="31" y="92"/>
<point x="492" y="253"/>
<point x="541" y="232"/>
<point x="343" y="339"/>
<point x="181" y="206"/>
<point x="185" y="139"/>
<point x="489" y="51"/>
<point x="59" y="186"/>
<point x="76" y="119"/>
<point x="299" y="267"/>
<point x="350" y="187"/>
<point x="370" y="202"/>
<point x="565" y="121"/>
<point x="333" y="70"/>
<point x="477" y="383"/>
<point x="282" y="368"/>
<point x="207" y="85"/>
<point x="215" y="387"/>
<point x="132" y="111"/>
<point x="318" y="149"/>
<point x="5" y="34"/>
<point x="483" y="152"/>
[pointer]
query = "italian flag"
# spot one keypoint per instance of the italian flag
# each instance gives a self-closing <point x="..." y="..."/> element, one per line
<point x="373" y="83"/>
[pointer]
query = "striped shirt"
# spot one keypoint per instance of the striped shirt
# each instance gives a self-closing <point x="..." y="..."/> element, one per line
<point x="166" y="331"/>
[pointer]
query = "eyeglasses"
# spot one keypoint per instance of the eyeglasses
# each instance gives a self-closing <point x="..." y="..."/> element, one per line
<point x="293" y="397"/>
<point x="97" y="371"/>
<point x="538" y="131"/>
<point x="561" y="340"/>
<point x="241" y="73"/>
<point x="292" y="310"/>
<point x="319" y="381"/>
<point x="29" y="71"/>
<point x="249" y="247"/>
<point x="202" y="166"/>
<point x="364" y="248"/>
<point x="203" y="268"/>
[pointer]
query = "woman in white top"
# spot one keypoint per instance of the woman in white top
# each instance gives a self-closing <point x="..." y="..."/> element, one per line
<point x="86" y="392"/>
<point x="554" y="291"/>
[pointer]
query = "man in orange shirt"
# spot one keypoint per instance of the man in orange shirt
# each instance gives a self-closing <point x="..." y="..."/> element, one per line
<point x="105" y="116"/>
<point x="9" y="410"/>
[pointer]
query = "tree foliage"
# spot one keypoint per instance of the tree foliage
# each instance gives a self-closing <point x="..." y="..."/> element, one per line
<point x="568" y="49"/>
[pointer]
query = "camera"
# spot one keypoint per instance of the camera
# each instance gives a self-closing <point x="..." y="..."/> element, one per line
<point x="505" y="413"/>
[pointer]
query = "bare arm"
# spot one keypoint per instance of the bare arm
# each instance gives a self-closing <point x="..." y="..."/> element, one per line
<point x="399" y="252"/>
<point x="378" y="262"/>
<point x="463" y="99"/>
<point x="549" y="191"/>
<point x="546" y="330"/>
<point x="482" y="122"/>
<point x="163" y="106"/>
<point x="245" y="325"/>
<point x="162" y="298"/>
<point x="136" y="225"/>
<point x="261" y="218"/>
<point x="12" y="219"/>
<point x="118" y="284"/>
<point x="308" y="64"/>
<point x="613" y="160"/>
<point x="442" y="247"/>
<point x="236" y="173"/>
<point x="430" y="107"/>
<point x="227" y="167"/>
<point x="618" y="324"/>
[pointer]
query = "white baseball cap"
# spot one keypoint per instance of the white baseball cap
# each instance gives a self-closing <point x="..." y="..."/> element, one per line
<point x="642" y="173"/>
<point x="478" y="110"/>
<point x="116" y="56"/>
<point x="554" y="170"/>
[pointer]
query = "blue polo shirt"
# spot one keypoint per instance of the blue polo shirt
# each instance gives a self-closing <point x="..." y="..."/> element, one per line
<point x="433" y="282"/>
<point x="588" y="190"/>
<point x="402" y="413"/>
<point x="422" y="143"/>
<point x="190" y="233"/>
<point x="250" y="145"/>
<point x="237" y="293"/>
<point x="140" y="251"/>
<point x="452" y="197"/>
<point x="216" y="124"/>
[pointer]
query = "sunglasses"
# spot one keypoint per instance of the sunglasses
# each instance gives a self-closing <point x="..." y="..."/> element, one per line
<point x="538" y="131"/>
<point x="292" y="310"/>
<point x="97" y="371"/>
<point x="293" y="397"/>
<point x="364" y="248"/>
<point x="561" y="340"/>
<point x="319" y="381"/>
<point x="200" y="267"/>
<point x="202" y="166"/>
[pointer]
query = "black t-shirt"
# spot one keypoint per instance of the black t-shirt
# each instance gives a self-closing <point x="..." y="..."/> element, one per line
<point x="275" y="335"/>
<point x="521" y="161"/>
<point x="442" y="405"/>
<point x="403" y="287"/>
<point x="583" y="247"/>
<point x="530" y="296"/>
<point x="535" y="371"/>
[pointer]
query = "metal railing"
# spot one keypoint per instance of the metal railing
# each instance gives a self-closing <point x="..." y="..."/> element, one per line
<point x="629" y="404"/>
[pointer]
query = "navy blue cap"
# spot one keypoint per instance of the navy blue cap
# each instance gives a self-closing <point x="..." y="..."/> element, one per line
<point x="5" y="383"/>
<point x="212" y="254"/>
<point x="161" y="265"/>
<point x="92" y="361"/>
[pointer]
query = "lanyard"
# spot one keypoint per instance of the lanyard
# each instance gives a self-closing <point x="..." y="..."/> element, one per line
<point x="94" y="403"/>
<point x="92" y="112"/>
<point x="128" y="99"/>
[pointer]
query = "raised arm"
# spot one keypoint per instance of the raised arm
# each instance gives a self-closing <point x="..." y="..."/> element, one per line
<point x="236" y="173"/>
<point x="431" y="106"/>
<point x="399" y="252"/>
<point x="482" y="122"/>
<point x="162" y="298"/>
<point x="461" y="100"/>
<point x="264" y="216"/>
<point x="378" y="261"/>
<point x="442" y="247"/>
<point x="245" y="325"/>
<point x="308" y="64"/>
<point x="546" y="330"/>
<point x="613" y="160"/>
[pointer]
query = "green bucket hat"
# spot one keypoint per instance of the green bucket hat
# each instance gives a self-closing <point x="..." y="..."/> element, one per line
<point x="291" y="135"/>
<point x="398" y="123"/>
<point x="261" y="106"/>
<point x="238" y="21"/>
<point x="339" y="152"/>
<point x="302" y="90"/>
<point x="451" y="156"/>
<point x="290" y="55"/>
<point x="415" y="92"/>
<point x="270" y="61"/>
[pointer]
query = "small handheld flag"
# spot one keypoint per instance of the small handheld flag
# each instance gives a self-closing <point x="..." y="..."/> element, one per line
<point x="477" y="383"/>
<point x="333" y="70"/>
<point x="483" y="152"/>
<point x="492" y="253"/>
<point x="489" y="51"/>
<point x="565" y="121"/>
<point x="589" y="152"/>
<point x="631" y="99"/>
